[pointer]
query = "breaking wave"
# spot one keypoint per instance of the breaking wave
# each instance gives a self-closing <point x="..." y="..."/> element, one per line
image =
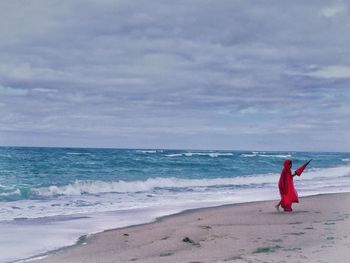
<point x="99" y="187"/>
<point x="146" y="151"/>
<point x="10" y="193"/>
<point x="256" y="154"/>
<point x="172" y="183"/>
<point x="190" y="154"/>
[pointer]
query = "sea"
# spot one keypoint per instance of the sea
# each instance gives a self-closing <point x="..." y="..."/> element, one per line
<point x="50" y="197"/>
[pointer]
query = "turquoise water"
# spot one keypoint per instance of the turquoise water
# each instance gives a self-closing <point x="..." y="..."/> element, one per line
<point x="43" y="189"/>
<point x="25" y="173"/>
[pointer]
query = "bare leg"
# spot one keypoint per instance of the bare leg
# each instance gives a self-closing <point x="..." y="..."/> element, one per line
<point x="278" y="206"/>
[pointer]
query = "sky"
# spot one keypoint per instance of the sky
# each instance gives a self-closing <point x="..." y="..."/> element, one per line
<point x="188" y="74"/>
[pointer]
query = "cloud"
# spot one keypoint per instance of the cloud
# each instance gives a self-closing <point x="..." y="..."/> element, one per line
<point x="333" y="10"/>
<point x="9" y="91"/>
<point x="45" y="90"/>
<point x="331" y="72"/>
<point x="180" y="74"/>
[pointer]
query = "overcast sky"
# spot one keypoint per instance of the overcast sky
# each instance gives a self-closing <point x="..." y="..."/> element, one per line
<point x="264" y="75"/>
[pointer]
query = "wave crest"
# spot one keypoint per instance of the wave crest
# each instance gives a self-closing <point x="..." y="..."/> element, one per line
<point x="190" y="154"/>
<point x="10" y="193"/>
<point x="257" y="154"/>
<point x="172" y="183"/>
<point x="100" y="187"/>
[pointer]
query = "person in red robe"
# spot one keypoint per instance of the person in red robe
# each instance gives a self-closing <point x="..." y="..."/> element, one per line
<point x="286" y="186"/>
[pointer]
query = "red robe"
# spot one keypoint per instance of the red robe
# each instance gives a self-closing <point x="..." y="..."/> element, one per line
<point x="286" y="186"/>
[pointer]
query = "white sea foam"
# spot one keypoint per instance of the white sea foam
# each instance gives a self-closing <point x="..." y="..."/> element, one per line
<point x="219" y="154"/>
<point x="190" y="154"/>
<point x="14" y="192"/>
<point x="100" y="187"/>
<point x="276" y="155"/>
<point x="146" y="151"/>
<point x="173" y="155"/>
<point x="249" y="155"/>
<point x="93" y="196"/>
<point x="164" y="191"/>
<point x="346" y="160"/>
<point x="262" y="154"/>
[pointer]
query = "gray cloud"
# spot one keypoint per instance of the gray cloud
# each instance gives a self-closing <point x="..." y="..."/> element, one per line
<point x="183" y="74"/>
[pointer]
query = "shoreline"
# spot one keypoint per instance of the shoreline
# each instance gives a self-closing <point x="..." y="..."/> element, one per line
<point x="159" y="219"/>
<point x="69" y="252"/>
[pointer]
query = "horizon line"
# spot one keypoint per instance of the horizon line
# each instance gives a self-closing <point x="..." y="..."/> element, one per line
<point x="170" y="149"/>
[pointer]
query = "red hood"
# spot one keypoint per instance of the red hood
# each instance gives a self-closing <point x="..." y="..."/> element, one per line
<point x="287" y="163"/>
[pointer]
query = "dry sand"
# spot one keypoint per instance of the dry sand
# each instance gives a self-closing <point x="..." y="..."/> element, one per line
<point x="317" y="231"/>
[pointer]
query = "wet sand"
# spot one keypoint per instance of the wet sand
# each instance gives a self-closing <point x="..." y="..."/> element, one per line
<point x="317" y="231"/>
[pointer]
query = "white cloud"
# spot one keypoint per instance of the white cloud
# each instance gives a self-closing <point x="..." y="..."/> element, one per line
<point x="331" y="72"/>
<point x="9" y="91"/>
<point x="28" y="72"/>
<point x="18" y="71"/>
<point x="331" y="11"/>
<point x="249" y="110"/>
<point x="44" y="90"/>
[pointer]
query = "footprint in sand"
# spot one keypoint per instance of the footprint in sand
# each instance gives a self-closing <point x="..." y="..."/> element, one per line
<point x="295" y="223"/>
<point x="233" y="258"/>
<point x="266" y="249"/>
<point x="166" y="254"/>
<point x="296" y="233"/>
<point x="277" y="240"/>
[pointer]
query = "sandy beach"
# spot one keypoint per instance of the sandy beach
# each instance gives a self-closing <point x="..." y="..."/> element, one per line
<point x="165" y="131"/>
<point x="317" y="231"/>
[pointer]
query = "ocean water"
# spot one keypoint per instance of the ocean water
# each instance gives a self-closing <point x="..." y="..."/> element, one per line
<point x="49" y="197"/>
